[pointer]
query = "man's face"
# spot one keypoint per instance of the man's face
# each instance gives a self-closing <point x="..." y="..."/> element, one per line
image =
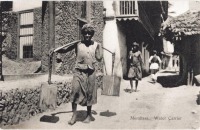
<point x="135" y="47"/>
<point x="87" y="36"/>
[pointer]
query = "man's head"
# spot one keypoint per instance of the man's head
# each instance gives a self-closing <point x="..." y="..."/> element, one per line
<point x="135" y="46"/>
<point x="154" y="52"/>
<point x="87" y="32"/>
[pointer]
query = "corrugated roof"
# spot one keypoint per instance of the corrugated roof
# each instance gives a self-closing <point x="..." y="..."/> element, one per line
<point x="187" y="23"/>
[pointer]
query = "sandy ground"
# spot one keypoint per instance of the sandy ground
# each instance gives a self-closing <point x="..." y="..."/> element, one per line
<point x="153" y="107"/>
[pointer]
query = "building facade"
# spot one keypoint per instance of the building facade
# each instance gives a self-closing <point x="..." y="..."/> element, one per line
<point x="117" y="25"/>
<point x="23" y="38"/>
<point x="184" y="32"/>
<point x="62" y="23"/>
<point x="130" y="21"/>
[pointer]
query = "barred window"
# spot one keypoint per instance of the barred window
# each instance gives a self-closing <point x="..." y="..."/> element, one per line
<point x="27" y="51"/>
<point x="26" y="34"/>
<point x="127" y="7"/>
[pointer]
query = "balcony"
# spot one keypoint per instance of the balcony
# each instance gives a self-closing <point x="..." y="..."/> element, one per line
<point x="127" y="9"/>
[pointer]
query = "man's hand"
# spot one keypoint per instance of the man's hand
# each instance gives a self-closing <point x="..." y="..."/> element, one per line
<point x="131" y="64"/>
<point x="91" y="68"/>
<point x="51" y="51"/>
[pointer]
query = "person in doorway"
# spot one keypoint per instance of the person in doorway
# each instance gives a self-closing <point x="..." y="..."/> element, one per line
<point x="136" y="65"/>
<point x="84" y="91"/>
<point x="155" y="62"/>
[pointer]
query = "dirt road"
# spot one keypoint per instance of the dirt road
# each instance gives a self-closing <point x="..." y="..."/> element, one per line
<point x="153" y="107"/>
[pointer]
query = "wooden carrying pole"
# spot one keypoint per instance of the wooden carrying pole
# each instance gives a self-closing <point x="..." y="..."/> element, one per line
<point x="51" y="35"/>
<point x="51" y="57"/>
<point x="66" y="45"/>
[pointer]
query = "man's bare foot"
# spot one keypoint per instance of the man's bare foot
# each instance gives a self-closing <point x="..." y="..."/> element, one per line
<point x="72" y="121"/>
<point x="88" y="119"/>
<point x="136" y="90"/>
<point x="131" y="91"/>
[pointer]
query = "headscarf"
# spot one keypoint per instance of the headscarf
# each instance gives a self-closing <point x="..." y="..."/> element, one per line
<point x="87" y="28"/>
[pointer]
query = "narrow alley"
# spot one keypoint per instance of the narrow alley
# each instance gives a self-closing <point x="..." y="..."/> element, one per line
<point x="152" y="107"/>
<point x="55" y="51"/>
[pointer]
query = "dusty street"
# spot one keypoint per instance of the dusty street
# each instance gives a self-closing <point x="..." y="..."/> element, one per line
<point x="153" y="107"/>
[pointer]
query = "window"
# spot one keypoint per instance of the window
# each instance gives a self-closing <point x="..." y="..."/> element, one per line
<point x="26" y="34"/>
<point x="127" y="7"/>
<point x="27" y="51"/>
<point x="84" y="9"/>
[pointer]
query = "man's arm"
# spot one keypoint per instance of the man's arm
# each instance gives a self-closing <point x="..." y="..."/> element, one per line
<point x="159" y="59"/>
<point x="130" y="52"/>
<point x="151" y="57"/>
<point x="99" y="52"/>
<point x="141" y="62"/>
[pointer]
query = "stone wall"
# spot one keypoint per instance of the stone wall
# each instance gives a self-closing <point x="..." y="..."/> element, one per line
<point x="67" y="30"/>
<point x="45" y="45"/>
<point x="18" y="105"/>
<point x="97" y="20"/>
<point x="37" y="25"/>
<point x="10" y="42"/>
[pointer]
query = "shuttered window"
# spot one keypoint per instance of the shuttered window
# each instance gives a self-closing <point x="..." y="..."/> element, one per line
<point x="26" y="35"/>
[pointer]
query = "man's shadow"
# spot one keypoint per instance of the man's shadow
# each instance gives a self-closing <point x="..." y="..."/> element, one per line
<point x="81" y="115"/>
<point x="127" y="90"/>
<point x="130" y="91"/>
